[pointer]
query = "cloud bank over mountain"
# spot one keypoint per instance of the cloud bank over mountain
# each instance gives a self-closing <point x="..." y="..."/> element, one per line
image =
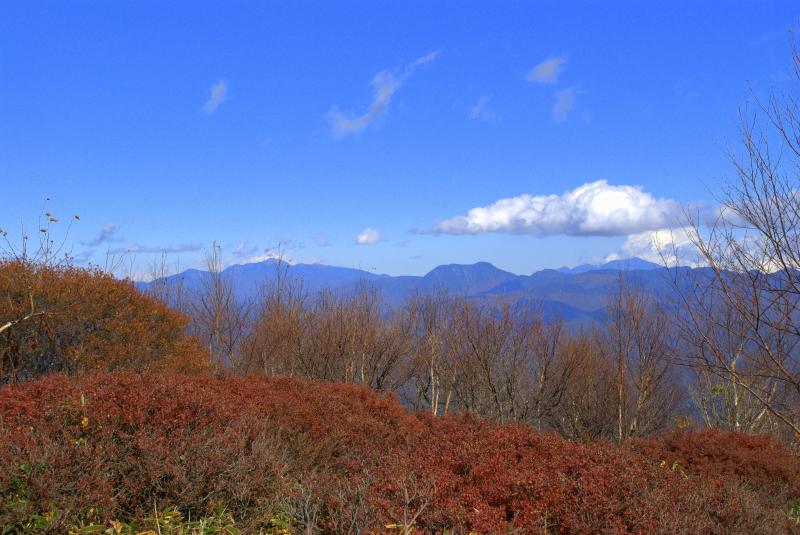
<point x="593" y="209"/>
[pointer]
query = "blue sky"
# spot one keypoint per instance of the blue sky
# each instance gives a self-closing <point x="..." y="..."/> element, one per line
<point x="437" y="132"/>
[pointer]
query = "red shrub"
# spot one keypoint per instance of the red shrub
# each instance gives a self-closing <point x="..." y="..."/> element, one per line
<point x="508" y="476"/>
<point x="114" y="446"/>
<point x="758" y="463"/>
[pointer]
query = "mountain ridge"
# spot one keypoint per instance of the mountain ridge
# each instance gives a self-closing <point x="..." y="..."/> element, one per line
<point x="576" y="294"/>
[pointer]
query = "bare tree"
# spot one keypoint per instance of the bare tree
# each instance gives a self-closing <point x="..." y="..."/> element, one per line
<point x="639" y="346"/>
<point x="219" y="318"/>
<point x="274" y="341"/>
<point x="167" y="284"/>
<point x="492" y="358"/>
<point x="554" y="362"/>
<point x="427" y="383"/>
<point x="741" y="314"/>
<point x="588" y="409"/>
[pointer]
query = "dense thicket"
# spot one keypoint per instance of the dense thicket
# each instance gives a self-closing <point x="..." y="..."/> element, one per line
<point x="58" y="318"/>
<point x="340" y="458"/>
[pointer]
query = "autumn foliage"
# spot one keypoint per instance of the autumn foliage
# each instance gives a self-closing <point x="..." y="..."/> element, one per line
<point x="70" y="319"/>
<point x="763" y="466"/>
<point x="341" y="458"/>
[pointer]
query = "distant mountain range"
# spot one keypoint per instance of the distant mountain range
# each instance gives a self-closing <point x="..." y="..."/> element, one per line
<point x="577" y="294"/>
<point x="627" y="264"/>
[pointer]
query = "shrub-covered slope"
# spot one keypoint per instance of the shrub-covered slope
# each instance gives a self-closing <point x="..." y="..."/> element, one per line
<point x="282" y="452"/>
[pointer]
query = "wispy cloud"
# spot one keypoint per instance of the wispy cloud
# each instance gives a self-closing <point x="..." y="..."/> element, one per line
<point x="243" y="250"/>
<point x="565" y="101"/>
<point x="548" y="71"/>
<point x="368" y="235"/>
<point x="108" y="234"/>
<point x="482" y="111"/>
<point x="219" y="94"/>
<point x="139" y="248"/>
<point x="321" y="241"/>
<point x="593" y="209"/>
<point x="84" y="257"/>
<point x="384" y="85"/>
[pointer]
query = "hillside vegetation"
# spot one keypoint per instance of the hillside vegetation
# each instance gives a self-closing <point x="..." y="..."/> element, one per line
<point x="60" y="318"/>
<point x="111" y="450"/>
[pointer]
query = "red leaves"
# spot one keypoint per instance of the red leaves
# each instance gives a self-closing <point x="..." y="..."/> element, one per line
<point x="343" y="455"/>
<point x="757" y="463"/>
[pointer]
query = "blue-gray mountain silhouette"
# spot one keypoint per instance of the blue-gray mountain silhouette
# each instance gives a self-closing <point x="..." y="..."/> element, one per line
<point x="578" y="294"/>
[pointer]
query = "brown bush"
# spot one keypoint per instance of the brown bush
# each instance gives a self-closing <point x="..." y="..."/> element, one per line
<point x="69" y="319"/>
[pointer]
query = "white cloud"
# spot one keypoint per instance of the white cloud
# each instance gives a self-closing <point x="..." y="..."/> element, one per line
<point x="673" y="245"/>
<point x="548" y="71"/>
<point x="219" y="94"/>
<point x="368" y="235"/>
<point x="481" y="111"/>
<point x="593" y="209"/>
<point x="243" y="253"/>
<point x="565" y="101"/>
<point x="384" y="85"/>
<point x="268" y="255"/>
